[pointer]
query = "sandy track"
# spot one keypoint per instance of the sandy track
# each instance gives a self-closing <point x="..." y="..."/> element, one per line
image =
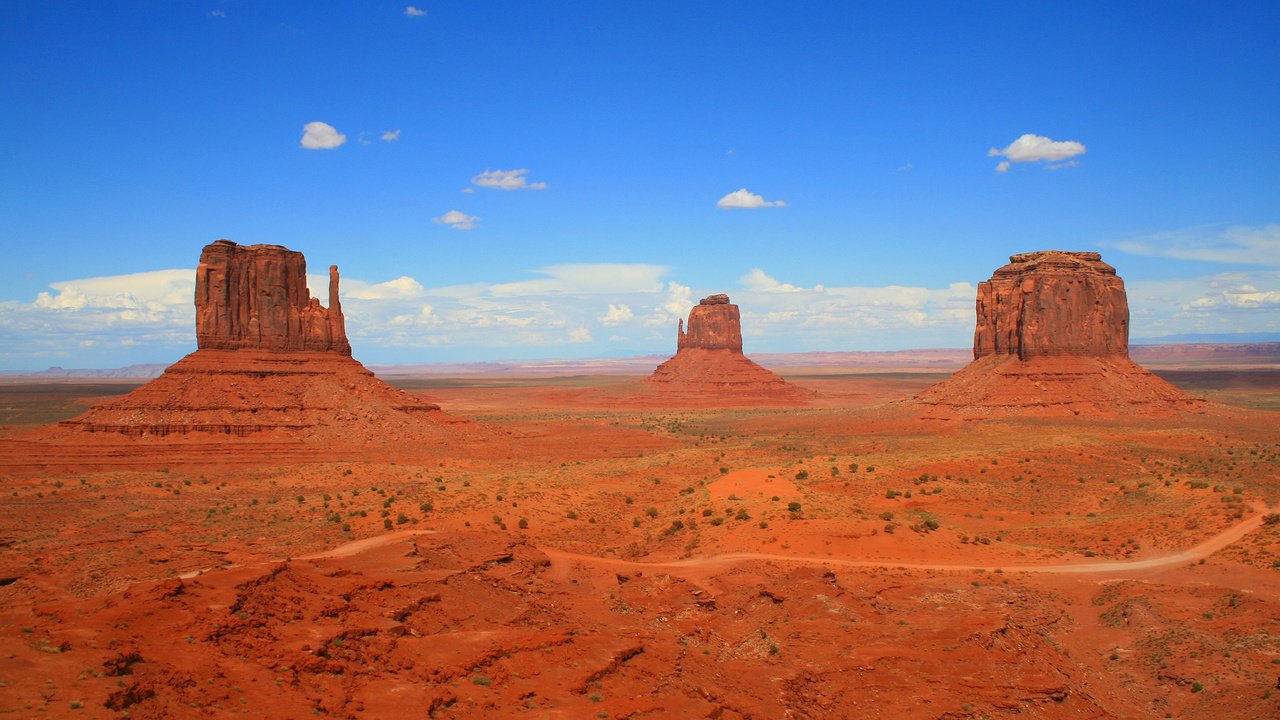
<point x="354" y="547"/>
<point x="1203" y="550"/>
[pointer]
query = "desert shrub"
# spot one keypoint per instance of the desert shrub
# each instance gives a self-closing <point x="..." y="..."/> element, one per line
<point x="651" y="512"/>
<point x="386" y="523"/>
<point x="886" y="516"/>
<point x="1271" y="518"/>
<point x="522" y="524"/>
<point x="793" y="506"/>
<point x="802" y="475"/>
<point x="571" y="515"/>
<point x="742" y="515"/>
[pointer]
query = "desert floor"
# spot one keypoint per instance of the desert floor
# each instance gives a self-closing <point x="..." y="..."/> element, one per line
<point x="571" y="553"/>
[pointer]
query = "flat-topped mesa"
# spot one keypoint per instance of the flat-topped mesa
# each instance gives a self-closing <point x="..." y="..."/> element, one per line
<point x="1053" y="303"/>
<point x="714" y="324"/>
<point x="255" y="297"/>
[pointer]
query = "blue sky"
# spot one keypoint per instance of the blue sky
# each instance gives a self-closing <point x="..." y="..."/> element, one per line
<point x="862" y="133"/>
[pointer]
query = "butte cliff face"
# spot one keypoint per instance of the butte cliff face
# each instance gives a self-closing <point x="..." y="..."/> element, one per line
<point x="272" y="362"/>
<point x="1053" y="303"/>
<point x="1052" y="338"/>
<point x="714" y="324"/>
<point x="255" y="297"/>
<point x="709" y="367"/>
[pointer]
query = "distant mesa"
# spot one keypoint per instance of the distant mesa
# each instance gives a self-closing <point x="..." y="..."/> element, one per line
<point x="270" y="359"/>
<point x="1052" y="338"/>
<point x="709" y="366"/>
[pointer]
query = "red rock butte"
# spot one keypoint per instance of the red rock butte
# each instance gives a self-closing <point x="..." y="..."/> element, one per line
<point x="271" y="362"/>
<point x="255" y="296"/>
<point x="709" y="367"/>
<point x="1052" y="338"/>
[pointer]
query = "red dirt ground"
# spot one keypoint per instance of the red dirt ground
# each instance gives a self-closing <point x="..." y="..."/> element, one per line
<point x="568" y="555"/>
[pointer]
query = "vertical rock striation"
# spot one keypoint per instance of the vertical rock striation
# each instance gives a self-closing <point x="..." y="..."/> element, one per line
<point x="1052" y="338"/>
<point x="1053" y="303"/>
<point x="709" y="367"/>
<point x="714" y="324"/>
<point x="255" y="297"/>
<point x="272" y="363"/>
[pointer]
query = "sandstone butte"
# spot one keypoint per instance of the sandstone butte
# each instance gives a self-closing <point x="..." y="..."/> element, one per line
<point x="709" y="367"/>
<point x="1052" y="338"/>
<point x="271" y="362"/>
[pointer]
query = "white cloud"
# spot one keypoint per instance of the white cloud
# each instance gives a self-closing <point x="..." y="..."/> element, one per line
<point x="402" y="287"/>
<point x="1250" y="297"/>
<point x="745" y="199"/>
<point x="468" y="190"/>
<point x="679" y="299"/>
<point x="457" y="220"/>
<point x="217" y="13"/>
<point x="1239" y="244"/>
<point x="758" y="281"/>
<point x="1037" y="148"/>
<point x="507" y="180"/>
<point x="321" y="136"/>
<point x="391" y="136"/>
<point x="412" y="11"/>
<point x="904" y="168"/>
<point x="587" y="279"/>
<point x="616" y="315"/>
<point x="144" y="290"/>
<point x="556" y="311"/>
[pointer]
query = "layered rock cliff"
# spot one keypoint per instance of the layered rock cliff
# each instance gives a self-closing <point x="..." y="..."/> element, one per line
<point x="272" y="363"/>
<point x="1052" y="338"/>
<point x="255" y="297"/>
<point x="1052" y="303"/>
<point x="714" y="324"/>
<point x="709" y="367"/>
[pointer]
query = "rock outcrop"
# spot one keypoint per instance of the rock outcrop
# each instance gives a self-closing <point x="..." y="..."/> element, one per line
<point x="1052" y="338"/>
<point x="709" y="367"/>
<point x="714" y="324"/>
<point x="1053" y="303"/>
<point x="271" y="363"/>
<point x="255" y="297"/>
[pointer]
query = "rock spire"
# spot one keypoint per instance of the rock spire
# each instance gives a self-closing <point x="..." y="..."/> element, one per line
<point x="255" y="297"/>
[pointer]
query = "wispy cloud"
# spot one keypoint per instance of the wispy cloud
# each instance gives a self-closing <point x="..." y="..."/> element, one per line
<point x="390" y="136"/>
<point x="744" y="199"/>
<point x="321" y="136"/>
<point x="1030" y="148"/>
<point x="457" y="220"/>
<point x="412" y="11"/>
<point x="507" y="180"/>
<point x="1237" y="244"/>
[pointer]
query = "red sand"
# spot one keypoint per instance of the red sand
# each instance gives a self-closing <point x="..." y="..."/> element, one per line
<point x="558" y="556"/>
